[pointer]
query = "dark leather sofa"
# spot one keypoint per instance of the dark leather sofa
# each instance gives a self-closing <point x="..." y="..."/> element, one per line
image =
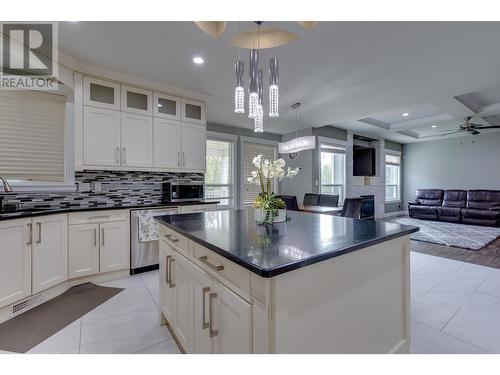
<point x="477" y="207"/>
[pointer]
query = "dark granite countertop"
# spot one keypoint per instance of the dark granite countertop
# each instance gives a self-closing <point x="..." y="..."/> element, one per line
<point x="272" y="250"/>
<point x="51" y="211"/>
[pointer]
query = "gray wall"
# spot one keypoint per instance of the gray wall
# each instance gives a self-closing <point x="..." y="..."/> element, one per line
<point x="447" y="164"/>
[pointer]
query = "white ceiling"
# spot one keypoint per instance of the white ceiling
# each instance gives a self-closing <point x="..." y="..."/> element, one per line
<point x="341" y="72"/>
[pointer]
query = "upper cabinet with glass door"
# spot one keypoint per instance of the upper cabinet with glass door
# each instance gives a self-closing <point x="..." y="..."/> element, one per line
<point x="101" y="93"/>
<point x="167" y="107"/>
<point x="193" y="111"/>
<point x="136" y="100"/>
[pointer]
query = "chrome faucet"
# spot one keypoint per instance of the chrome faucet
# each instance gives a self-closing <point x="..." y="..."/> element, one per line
<point x="6" y="187"/>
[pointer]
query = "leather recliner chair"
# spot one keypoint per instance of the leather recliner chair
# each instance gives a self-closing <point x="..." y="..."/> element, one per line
<point x="483" y="208"/>
<point x="453" y="202"/>
<point x="426" y="204"/>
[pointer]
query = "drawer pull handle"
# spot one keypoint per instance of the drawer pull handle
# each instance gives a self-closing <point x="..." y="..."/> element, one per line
<point x="204" y="323"/>
<point x="99" y="217"/>
<point x="167" y="261"/>
<point x="169" y="267"/>
<point x="204" y="260"/>
<point x="169" y="236"/>
<point x="39" y="233"/>
<point x="30" y="240"/>
<point x="211" y="297"/>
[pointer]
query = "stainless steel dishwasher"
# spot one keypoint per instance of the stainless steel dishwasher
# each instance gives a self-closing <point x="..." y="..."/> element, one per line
<point x="144" y="254"/>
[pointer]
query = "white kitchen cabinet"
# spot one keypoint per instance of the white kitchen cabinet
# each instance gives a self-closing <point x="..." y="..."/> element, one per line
<point x="49" y="251"/>
<point x="232" y="321"/>
<point x="201" y="288"/>
<point x="193" y="146"/>
<point x="193" y="111"/>
<point x="167" y="290"/>
<point x="136" y="140"/>
<point x="167" y="143"/>
<point x="136" y="100"/>
<point x="181" y="281"/>
<point x="114" y="248"/>
<point x="206" y="316"/>
<point x="100" y="93"/>
<point x="101" y="137"/>
<point x="83" y="251"/>
<point x="167" y="107"/>
<point x="15" y="264"/>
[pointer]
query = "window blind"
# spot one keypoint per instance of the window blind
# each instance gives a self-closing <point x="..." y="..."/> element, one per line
<point x="251" y="150"/>
<point x="32" y="136"/>
<point x="219" y="175"/>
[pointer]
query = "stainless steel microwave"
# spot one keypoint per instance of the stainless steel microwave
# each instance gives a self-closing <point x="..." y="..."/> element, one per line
<point x="183" y="191"/>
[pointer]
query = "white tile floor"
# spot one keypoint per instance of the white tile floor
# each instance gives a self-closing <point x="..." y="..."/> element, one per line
<point x="455" y="309"/>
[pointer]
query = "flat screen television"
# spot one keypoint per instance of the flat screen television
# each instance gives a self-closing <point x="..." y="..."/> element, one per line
<point x="363" y="161"/>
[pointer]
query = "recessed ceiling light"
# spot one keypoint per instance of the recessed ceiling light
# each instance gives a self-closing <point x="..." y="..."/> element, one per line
<point x="160" y="105"/>
<point x="198" y="60"/>
<point x="405" y="114"/>
<point x="434" y="126"/>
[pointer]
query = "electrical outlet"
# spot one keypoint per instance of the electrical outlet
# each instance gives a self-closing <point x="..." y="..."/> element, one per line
<point x="97" y="187"/>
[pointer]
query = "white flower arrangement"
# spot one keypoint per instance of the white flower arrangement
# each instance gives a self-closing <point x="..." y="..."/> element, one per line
<point x="269" y="170"/>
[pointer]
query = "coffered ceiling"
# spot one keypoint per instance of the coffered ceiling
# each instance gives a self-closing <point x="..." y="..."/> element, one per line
<point x="405" y="81"/>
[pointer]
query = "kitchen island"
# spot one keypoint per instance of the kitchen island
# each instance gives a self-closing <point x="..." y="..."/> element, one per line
<point x="315" y="284"/>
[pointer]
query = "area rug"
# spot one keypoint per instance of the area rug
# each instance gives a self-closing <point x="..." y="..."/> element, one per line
<point x="471" y="237"/>
<point x="29" y="329"/>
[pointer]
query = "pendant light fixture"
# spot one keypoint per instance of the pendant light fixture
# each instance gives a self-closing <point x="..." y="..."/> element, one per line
<point x="259" y="115"/>
<point x="297" y="144"/>
<point x="274" y="79"/>
<point x="253" y="96"/>
<point x="239" y="91"/>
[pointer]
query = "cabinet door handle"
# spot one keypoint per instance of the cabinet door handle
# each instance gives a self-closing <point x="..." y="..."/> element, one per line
<point x="102" y="235"/>
<point x="169" y="267"/>
<point x="211" y="297"/>
<point x="124" y="155"/>
<point x="167" y="275"/>
<point x="179" y="158"/>
<point x="204" y="323"/>
<point x="204" y="260"/>
<point x="95" y="237"/>
<point x="117" y="155"/>
<point x="183" y="159"/>
<point x="30" y="238"/>
<point x="39" y="233"/>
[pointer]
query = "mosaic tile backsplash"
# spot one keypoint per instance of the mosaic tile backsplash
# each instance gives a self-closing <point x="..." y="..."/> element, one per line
<point x="103" y="188"/>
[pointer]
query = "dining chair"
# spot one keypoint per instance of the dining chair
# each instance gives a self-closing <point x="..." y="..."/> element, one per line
<point x="328" y="200"/>
<point x="290" y="201"/>
<point x="352" y="208"/>
<point x="311" y="199"/>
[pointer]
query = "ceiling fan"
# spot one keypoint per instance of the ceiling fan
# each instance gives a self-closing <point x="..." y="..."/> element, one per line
<point x="469" y="127"/>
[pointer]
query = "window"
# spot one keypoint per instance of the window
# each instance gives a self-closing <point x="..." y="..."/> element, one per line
<point x="32" y="137"/>
<point x="333" y="171"/>
<point x="392" y="177"/>
<point x="219" y="177"/>
<point x="249" y="151"/>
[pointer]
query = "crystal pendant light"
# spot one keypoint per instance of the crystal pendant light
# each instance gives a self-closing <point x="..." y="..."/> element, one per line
<point x="274" y="79"/>
<point x="239" y="91"/>
<point x="253" y="97"/>
<point x="259" y="114"/>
